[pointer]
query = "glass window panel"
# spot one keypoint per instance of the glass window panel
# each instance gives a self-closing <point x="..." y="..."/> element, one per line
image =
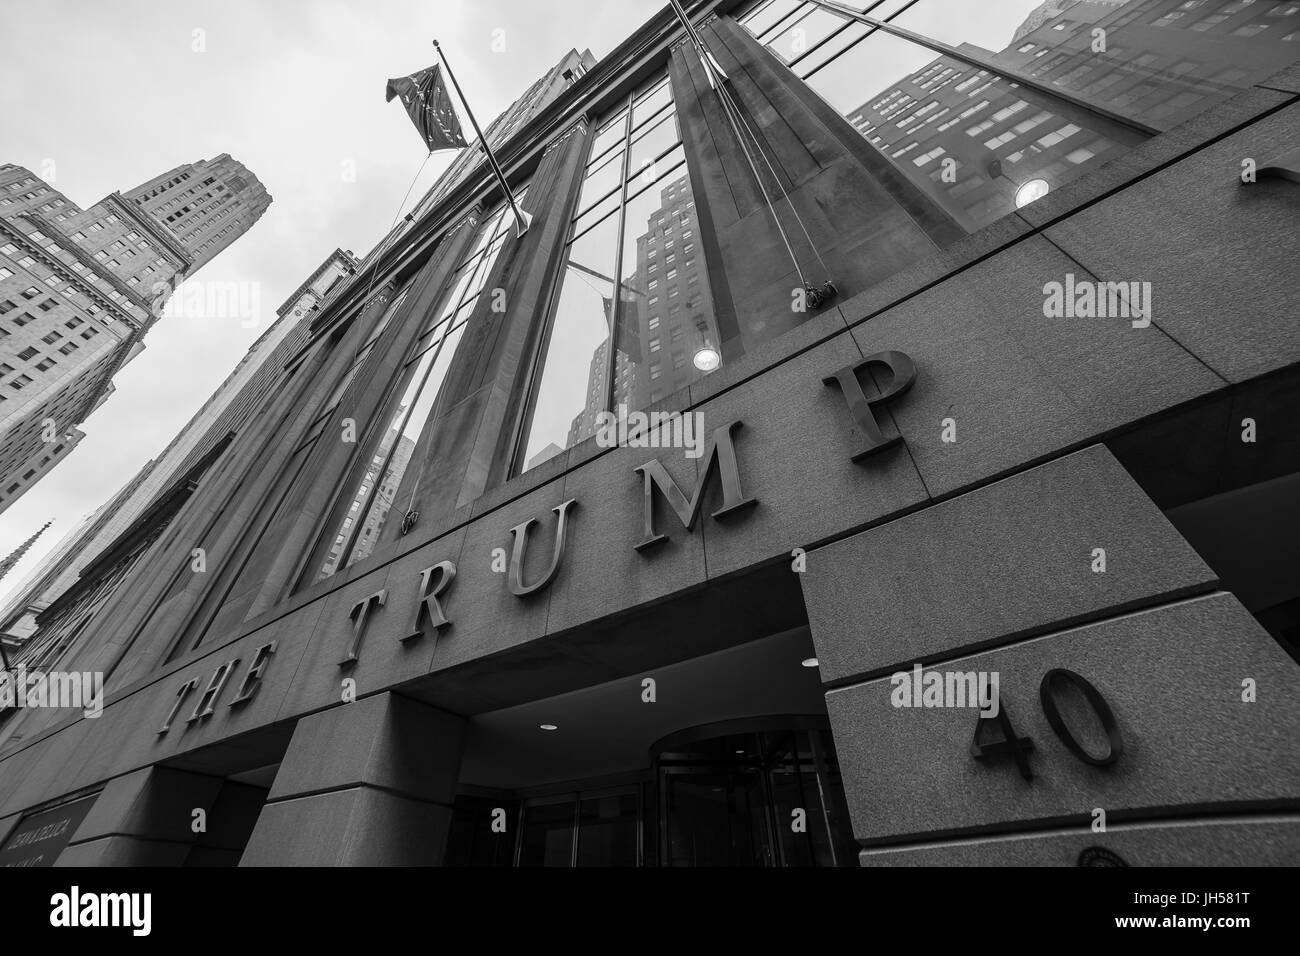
<point x="835" y="44"/>
<point x="608" y="828"/>
<point x="596" y="213"/>
<point x="884" y="9"/>
<point x="573" y="380"/>
<point x="1161" y="77"/>
<point x="649" y="104"/>
<point x="407" y="435"/>
<point x="359" y="498"/>
<point x="797" y="38"/>
<point x="662" y="168"/>
<point x="548" y="833"/>
<point x="990" y="145"/>
<point x="651" y="144"/>
<point x="601" y="180"/>
<point x="765" y="16"/>
<point x="613" y="133"/>
<point x="871" y="68"/>
<point x="994" y="29"/>
<point x="680" y="305"/>
<point x="574" y="384"/>
<point x="425" y="371"/>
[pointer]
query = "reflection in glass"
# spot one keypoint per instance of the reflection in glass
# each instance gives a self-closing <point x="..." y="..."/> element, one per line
<point x="667" y="319"/>
<point x="548" y="832"/>
<point x="647" y="233"/>
<point x="422" y="376"/>
<point x="729" y="801"/>
<point x="981" y="144"/>
<point x="574" y="376"/>
<point x="609" y="828"/>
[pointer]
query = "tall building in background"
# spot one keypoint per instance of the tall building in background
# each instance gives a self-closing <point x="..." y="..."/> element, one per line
<point x="12" y="558"/>
<point x="229" y="408"/>
<point x="498" y="624"/>
<point x="207" y="205"/>
<point x="979" y="145"/>
<point x="80" y="288"/>
<point x="667" y="329"/>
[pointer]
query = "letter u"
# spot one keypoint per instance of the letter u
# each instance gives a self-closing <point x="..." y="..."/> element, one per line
<point x="520" y="535"/>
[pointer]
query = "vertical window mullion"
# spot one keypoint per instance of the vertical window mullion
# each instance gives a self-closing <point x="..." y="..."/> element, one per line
<point x="616" y="308"/>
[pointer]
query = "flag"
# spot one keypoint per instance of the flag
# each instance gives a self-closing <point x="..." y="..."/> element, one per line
<point x="426" y="100"/>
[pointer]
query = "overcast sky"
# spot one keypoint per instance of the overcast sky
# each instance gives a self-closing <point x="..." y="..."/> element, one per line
<point x="113" y="92"/>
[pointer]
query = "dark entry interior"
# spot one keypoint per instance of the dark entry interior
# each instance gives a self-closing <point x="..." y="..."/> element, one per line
<point x="1226" y="473"/>
<point x="245" y="767"/>
<point x="725" y="760"/>
<point x="765" y="793"/>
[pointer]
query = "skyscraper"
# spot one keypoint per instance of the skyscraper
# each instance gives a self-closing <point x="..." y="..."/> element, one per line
<point x="951" y="568"/>
<point x="80" y="288"/>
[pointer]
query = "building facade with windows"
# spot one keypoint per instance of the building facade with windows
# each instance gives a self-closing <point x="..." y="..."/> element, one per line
<point x="80" y="288"/>
<point x="469" y="600"/>
<point x="229" y="408"/>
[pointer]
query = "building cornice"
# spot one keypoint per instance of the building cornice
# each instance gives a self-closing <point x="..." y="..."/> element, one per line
<point x="64" y="272"/>
<point x="337" y="256"/>
<point x="156" y="230"/>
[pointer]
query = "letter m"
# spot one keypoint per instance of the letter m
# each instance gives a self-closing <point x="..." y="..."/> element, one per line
<point x="722" y="459"/>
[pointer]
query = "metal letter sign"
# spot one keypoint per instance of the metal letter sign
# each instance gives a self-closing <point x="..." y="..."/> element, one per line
<point x="722" y="458"/>
<point x="904" y="376"/>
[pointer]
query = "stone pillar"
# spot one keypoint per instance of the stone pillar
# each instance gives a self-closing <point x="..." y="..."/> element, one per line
<point x="468" y="448"/>
<point x="865" y="218"/>
<point x="144" y="818"/>
<point x="1006" y="580"/>
<point x="369" y="783"/>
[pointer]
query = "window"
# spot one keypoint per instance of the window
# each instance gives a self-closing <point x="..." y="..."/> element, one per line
<point x="868" y="71"/>
<point x="28" y="353"/>
<point x="5" y="273"/>
<point x="417" y="404"/>
<point x="636" y="193"/>
<point x="45" y="364"/>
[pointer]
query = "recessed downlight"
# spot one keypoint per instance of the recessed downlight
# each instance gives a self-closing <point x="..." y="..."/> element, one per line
<point x="810" y="662"/>
<point x="549" y="727"/>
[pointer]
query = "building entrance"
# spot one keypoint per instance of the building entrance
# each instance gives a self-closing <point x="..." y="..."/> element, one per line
<point x="766" y="796"/>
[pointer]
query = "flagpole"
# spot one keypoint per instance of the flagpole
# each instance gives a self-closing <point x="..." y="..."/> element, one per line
<point x="522" y="219"/>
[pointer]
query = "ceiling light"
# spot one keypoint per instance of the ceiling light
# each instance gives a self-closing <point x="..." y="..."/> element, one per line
<point x="549" y="727"/>
<point x="810" y="662"/>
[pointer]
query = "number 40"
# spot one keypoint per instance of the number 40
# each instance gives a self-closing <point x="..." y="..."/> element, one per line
<point x="1018" y="748"/>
